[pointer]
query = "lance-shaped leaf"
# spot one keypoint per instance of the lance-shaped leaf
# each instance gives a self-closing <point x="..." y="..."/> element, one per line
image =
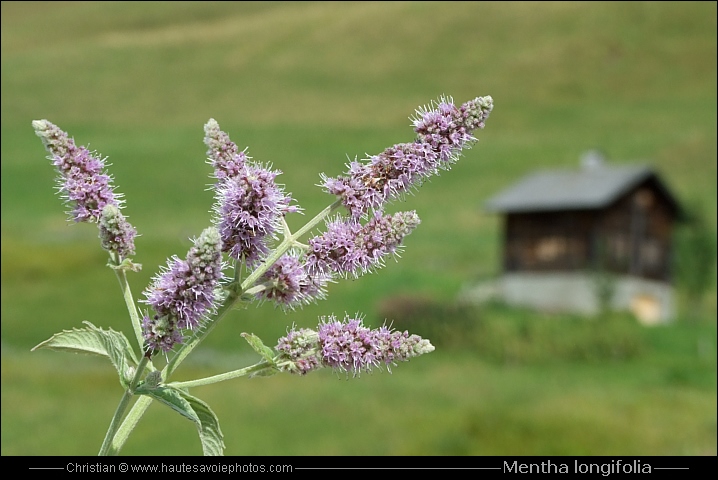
<point x="172" y="397"/>
<point x="209" y="432"/>
<point x="267" y="354"/>
<point x="210" y="435"/>
<point x="256" y="343"/>
<point x="96" y="341"/>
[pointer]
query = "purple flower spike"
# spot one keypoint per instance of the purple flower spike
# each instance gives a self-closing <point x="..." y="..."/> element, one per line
<point x="250" y="204"/>
<point x="442" y="133"/>
<point x="82" y="182"/>
<point x="116" y="233"/>
<point x="348" y="248"/>
<point x="249" y="211"/>
<point x="160" y="333"/>
<point x="224" y="155"/>
<point x="184" y="292"/>
<point x="447" y="129"/>
<point x="298" y="351"/>
<point x="391" y="174"/>
<point x="347" y="346"/>
<point x="289" y="285"/>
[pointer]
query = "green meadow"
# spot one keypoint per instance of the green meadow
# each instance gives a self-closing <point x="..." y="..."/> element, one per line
<point x="307" y="86"/>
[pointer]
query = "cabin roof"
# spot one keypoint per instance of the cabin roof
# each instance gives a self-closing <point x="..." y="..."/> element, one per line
<point x="593" y="187"/>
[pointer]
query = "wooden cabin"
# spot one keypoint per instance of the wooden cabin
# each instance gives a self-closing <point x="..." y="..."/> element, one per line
<point x="563" y="227"/>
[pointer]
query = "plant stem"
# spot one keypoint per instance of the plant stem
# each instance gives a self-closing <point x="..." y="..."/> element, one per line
<point x="234" y="295"/>
<point x="129" y="423"/>
<point x="117" y="434"/>
<point x="287" y="243"/>
<point x="200" y="334"/>
<point x="129" y="301"/>
<point x="223" y="376"/>
<point x="124" y="401"/>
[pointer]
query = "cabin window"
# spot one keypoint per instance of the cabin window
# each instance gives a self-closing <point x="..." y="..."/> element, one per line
<point x="550" y="249"/>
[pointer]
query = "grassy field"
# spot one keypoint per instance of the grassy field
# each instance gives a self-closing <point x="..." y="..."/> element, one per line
<point x="305" y="85"/>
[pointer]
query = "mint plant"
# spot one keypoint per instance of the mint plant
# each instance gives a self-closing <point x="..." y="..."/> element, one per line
<point x="249" y="233"/>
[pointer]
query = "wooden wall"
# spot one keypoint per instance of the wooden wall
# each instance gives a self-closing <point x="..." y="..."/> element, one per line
<point x="632" y="236"/>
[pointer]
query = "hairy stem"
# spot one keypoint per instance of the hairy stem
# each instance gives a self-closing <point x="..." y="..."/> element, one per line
<point x="129" y="423"/>
<point x="119" y="412"/>
<point x="223" y="376"/>
<point x="249" y="282"/>
<point x="287" y="243"/>
<point x="121" y="275"/>
<point x="117" y="434"/>
<point x="200" y="335"/>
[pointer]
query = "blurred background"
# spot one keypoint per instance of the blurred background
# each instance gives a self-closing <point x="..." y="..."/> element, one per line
<point x="306" y="85"/>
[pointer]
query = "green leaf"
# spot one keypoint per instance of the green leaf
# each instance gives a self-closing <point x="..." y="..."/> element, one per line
<point x="96" y="341"/>
<point x="210" y="435"/>
<point x="172" y="397"/>
<point x="209" y="432"/>
<point x="259" y="347"/>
